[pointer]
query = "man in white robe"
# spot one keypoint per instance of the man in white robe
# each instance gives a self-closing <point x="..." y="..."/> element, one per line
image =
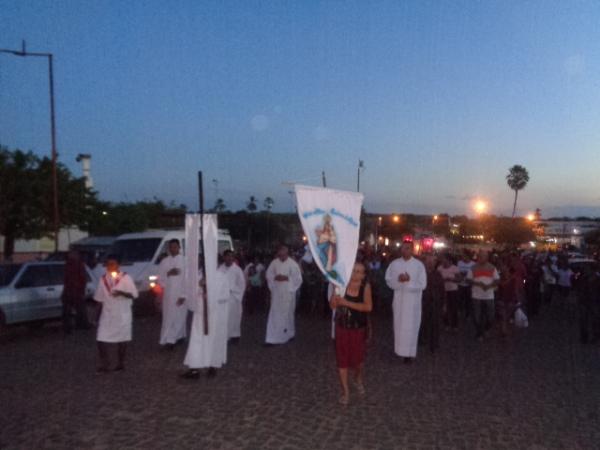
<point x="237" y="283"/>
<point x="115" y="292"/>
<point x="407" y="277"/>
<point x="209" y="350"/>
<point x="284" y="279"/>
<point x="174" y="313"/>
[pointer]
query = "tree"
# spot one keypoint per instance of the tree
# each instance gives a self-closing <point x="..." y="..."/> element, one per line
<point x="118" y="218"/>
<point x="517" y="179"/>
<point x="268" y="204"/>
<point x="251" y="205"/>
<point x="26" y="210"/>
<point x="510" y="231"/>
<point x="219" y="206"/>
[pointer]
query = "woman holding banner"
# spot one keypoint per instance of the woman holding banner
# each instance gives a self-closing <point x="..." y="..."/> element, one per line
<point x="351" y="329"/>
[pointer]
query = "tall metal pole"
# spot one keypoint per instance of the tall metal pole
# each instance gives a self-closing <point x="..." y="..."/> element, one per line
<point x="54" y="154"/>
<point x="204" y="299"/>
<point x="55" y="214"/>
<point x="361" y="164"/>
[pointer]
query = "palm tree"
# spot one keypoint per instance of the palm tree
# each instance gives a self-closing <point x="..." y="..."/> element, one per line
<point x="517" y="179"/>
<point x="251" y="205"/>
<point x="219" y="206"/>
<point x="268" y="204"/>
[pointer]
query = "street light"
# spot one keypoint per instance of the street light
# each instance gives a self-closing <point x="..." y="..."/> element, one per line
<point x="480" y="206"/>
<point x="24" y="53"/>
<point x="377" y="237"/>
<point x="396" y="218"/>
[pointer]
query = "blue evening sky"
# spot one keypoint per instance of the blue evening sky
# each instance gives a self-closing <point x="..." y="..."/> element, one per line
<point x="439" y="98"/>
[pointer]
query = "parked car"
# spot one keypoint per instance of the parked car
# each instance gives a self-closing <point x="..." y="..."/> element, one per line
<point x="31" y="292"/>
<point x="579" y="265"/>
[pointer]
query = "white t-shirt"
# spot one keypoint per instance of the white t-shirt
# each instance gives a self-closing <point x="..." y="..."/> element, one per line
<point x="464" y="267"/>
<point x="549" y="277"/>
<point x="486" y="275"/>
<point x="449" y="272"/>
<point x="564" y="277"/>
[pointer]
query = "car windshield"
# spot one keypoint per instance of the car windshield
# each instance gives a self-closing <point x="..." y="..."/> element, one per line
<point x="135" y="250"/>
<point x="7" y="273"/>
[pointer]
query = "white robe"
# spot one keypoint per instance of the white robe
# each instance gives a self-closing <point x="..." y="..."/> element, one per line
<point x="115" y="319"/>
<point x="281" y="322"/>
<point x="237" y="283"/>
<point x="173" y="315"/>
<point x="209" y="350"/>
<point x="407" y="303"/>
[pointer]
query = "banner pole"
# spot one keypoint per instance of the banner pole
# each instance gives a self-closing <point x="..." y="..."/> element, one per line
<point x="204" y="299"/>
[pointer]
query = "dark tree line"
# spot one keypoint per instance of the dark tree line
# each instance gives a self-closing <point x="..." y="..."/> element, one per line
<point x="26" y="207"/>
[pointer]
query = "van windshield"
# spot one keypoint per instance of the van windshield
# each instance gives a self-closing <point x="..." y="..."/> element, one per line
<point x="7" y="273"/>
<point x="135" y="250"/>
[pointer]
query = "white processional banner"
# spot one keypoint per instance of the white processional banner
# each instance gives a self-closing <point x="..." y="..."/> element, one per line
<point x="193" y="252"/>
<point x="331" y="223"/>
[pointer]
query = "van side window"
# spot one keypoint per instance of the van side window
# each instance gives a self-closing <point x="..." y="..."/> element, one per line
<point x="164" y="251"/>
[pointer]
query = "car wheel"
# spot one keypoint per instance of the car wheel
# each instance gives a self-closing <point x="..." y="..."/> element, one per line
<point x="38" y="324"/>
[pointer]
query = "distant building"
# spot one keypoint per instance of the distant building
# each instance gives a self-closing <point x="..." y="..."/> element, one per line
<point x="27" y="250"/>
<point x="565" y="232"/>
<point x="86" y="165"/>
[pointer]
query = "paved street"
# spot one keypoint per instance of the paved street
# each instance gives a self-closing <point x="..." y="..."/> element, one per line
<point x="537" y="389"/>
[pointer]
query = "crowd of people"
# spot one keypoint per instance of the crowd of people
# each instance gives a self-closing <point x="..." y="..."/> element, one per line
<point x="430" y="294"/>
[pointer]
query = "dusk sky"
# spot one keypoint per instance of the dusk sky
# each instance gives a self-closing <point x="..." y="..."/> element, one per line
<point x="439" y="98"/>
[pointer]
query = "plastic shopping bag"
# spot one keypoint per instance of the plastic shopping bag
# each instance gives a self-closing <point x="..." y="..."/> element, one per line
<point x="521" y="319"/>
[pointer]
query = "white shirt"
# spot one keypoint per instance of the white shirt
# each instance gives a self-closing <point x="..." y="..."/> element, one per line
<point x="564" y="277"/>
<point x="464" y="267"/>
<point x="237" y="280"/>
<point x="115" y="318"/>
<point x="290" y="269"/>
<point x="449" y="273"/>
<point x="415" y="270"/>
<point x="486" y="275"/>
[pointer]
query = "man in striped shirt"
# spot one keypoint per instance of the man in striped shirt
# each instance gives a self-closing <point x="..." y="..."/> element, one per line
<point x="483" y="278"/>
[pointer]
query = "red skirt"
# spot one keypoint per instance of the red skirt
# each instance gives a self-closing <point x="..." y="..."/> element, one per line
<point x="350" y="346"/>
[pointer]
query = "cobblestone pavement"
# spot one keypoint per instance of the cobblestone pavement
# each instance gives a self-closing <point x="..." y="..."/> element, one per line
<point x="537" y="389"/>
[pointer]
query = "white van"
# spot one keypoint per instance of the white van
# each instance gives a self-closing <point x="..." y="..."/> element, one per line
<point x="141" y="253"/>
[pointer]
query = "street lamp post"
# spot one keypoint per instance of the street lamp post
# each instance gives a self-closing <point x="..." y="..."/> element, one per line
<point x="361" y="166"/>
<point x="377" y="227"/>
<point x="24" y="53"/>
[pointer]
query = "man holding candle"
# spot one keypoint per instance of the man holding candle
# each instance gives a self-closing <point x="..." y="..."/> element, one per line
<point x="115" y="292"/>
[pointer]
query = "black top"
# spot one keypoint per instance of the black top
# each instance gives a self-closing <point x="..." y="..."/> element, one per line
<point x="350" y="318"/>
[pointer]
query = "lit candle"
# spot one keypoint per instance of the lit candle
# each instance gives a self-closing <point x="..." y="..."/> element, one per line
<point x="114" y="274"/>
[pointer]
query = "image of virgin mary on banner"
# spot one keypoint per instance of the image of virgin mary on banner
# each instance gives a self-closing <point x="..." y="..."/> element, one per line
<point x="331" y="222"/>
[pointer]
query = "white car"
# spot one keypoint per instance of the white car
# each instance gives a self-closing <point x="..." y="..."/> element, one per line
<point x="31" y="291"/>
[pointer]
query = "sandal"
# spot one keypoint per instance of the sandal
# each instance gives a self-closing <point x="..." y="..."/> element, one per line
<point x="360" y="388"/>
<point x="344" y="400"/>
